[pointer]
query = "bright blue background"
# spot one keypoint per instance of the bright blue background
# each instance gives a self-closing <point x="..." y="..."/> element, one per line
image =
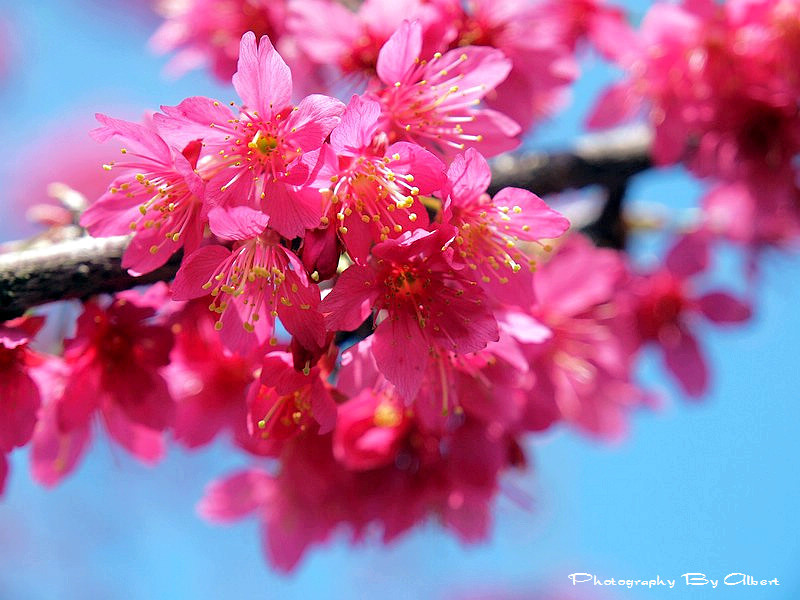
<point x="709" y="487"/>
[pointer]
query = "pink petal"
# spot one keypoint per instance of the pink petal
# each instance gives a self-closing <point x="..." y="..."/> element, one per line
<point x="398" y="55"/>
<point x="683" y="358"/>
<point x="312" y="121"/>
<point x="262" y="80"/>
<point x="54" y="455"/>
<point x="196" y="270"/>
<point x="351" y="300"/>
<point x="616" y="105"/>
<point x="19" y="402"/>
<point x="291" y="213"/>
<point x="689" y="256"/>
<point x="235" y="496"/>
<point x="237" y="222"/>
<point x="720" y="307"/>
<point x="358" y="125"/>
<point x="138" y="139"/>
<point x="544" y="222"/>
<point x="191" y="119"/>
<point x="401" y="353"/>
<point x="468" y="177"/>
<point x="145" y="444"/>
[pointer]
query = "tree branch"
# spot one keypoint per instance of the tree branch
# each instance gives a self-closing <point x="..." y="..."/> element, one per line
<point x="86" y="266"/>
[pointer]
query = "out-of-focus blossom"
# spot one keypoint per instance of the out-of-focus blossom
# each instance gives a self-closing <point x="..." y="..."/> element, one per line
<point x="666" y="305"/>
<point x="208" y="32"/>
<point x="582" y="367"/>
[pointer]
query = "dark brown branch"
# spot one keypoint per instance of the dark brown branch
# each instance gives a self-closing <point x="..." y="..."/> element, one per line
<point x="76" y="268"/>
<point x="85" y="266"/>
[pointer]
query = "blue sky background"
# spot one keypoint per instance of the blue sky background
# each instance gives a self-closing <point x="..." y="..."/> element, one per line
<point x="706" y="487"/>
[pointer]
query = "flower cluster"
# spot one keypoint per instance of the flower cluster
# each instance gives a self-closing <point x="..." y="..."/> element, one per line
<point x="353" y="308"/>
<point x="721" y="90"/>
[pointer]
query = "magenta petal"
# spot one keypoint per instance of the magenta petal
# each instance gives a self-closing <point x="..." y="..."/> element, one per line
<point x="616" y="105"/>
<point x="291" y="213"/>
<point x="196" y="270"/>
<point x="720" y="307"/>
<point x="398" y="54"/>
<point x="138" y="138"/>
<point x="401" y="353"/>
<point x="351" y="300"/>
<point x="262" y="80"/>
<point x="145" y="444"/>
<point x="80" y="399"/>
<point x="428" y="171"/>
<point x="544" y="222"/>
<point x="312" y="121"/>
<point x="237" y="222"/>
<point x="468" y="177"/>
<point x="191" y="119"/>
<point x="683" y="358"/>
<point x="3" y="473"/>
<point x="235" y="496"/>
<point x="54" y="455"/>
<point x="358" y="125"/>
<point x="323" y="408"/>
<point x="19" y="401"/>
<point x="689" y="256"/>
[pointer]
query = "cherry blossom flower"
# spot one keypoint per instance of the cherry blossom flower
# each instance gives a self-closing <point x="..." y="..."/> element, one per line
<point x="257" y="153"/>
<point x="666" y="305"/>
<point x="286" y="402"/>
<point x="490" y="231"/>
<point x="115" y="362"/>
<point x="579" y="342"/>
<point x="430" y="308"/>
<point x="159" y="197"/>
<point x="371" y="188"/>
<point x="209" y="383"/>
<point x="209" y="31"/>
<point x="252" y="284"/>
<point x="433" y="101"/>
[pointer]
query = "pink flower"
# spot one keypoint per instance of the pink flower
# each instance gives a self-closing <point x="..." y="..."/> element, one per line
<point x="582" y="367"/>
<point x="721" y="88"/>
<point x="158" y="197"/>
<point x="491" y="230"/>
<point x="208" y="383"/>
<point x="667" y="304"/>
<point x="431" y="309"/>
<point x="370" y="429"/>
<point x="433" y="101"/>
<point x="370" y="188"/>
<point x="250" y="285"/>
<point x="257" y="153"/>
<point x="530" y="36"/>
<point x="209" y="31"/>
<point x="286" y="402"/>
<point x="115" y="362"/>
<point x="19" y="393"/>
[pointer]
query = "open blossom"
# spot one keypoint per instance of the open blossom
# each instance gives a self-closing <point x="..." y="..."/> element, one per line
<point x="434" y="101"/>
<point x="158" y="197"/>
<point x="370" y="188"/>
<point x="285" y="402"/>
<point x="578" y="341"/>
<point x="209" y="31"/>
<point x="490" y="231"/>
<point x="667" y="304"/>
<point x="115" y="362"/>
<point x="430" y="308"/>
<point x="257" y="153"/>
<point x="209" y="383"/>
<point x="252" y="284"/>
